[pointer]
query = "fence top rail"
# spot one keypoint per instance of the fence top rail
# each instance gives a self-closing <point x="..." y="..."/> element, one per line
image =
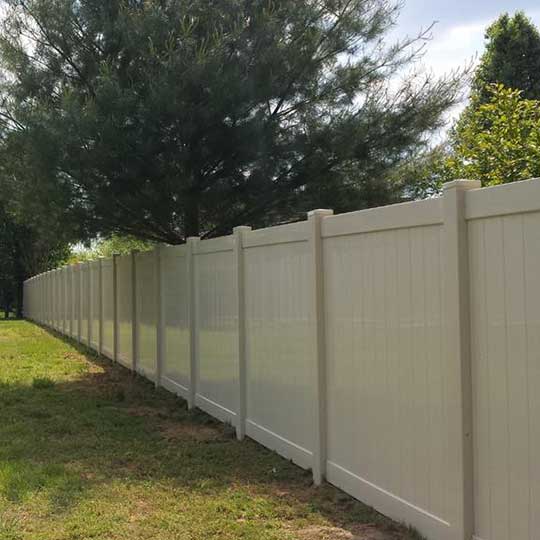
<point x="280" y="234"/>
<point x="395" y="216"/>
<point x="506" y="199"/>
<point x="175" y="251"/>
<point x="214" y="245"/>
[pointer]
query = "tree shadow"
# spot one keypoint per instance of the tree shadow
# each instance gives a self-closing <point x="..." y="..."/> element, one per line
<point x="107" y="424"/>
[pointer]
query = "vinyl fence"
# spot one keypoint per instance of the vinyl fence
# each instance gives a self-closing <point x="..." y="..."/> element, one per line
<point x="394" y="351"/>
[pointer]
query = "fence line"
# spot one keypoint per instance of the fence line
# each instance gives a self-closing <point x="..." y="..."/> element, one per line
<point x="394" y="351"/>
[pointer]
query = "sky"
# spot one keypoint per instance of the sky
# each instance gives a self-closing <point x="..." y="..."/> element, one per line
<point x="458" y="35"/>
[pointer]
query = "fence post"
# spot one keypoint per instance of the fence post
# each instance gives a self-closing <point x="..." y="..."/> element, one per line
<point x="88" y="293"/>
<point x="35" y="294"/>
<point x="73" y="274"/>
<point x="59" y="296"/>
<point x="67" y="307"/>
<point x="315" y="218"/>
<point x="35" y="300"/>
<point x="47" y="304"/>
<point x="160" y="314"/>
<point x="74" y="316"/>
<point x="50" y="297"/>
<point x="74" y="311"/>
<point x="100" y="307"/>
<point x="69" y="300"/>
<point x="116" y="322"/>
<point x="65" y="276"/>
<point x="192" y="243"/>
<point x="44" y="298"/>
<point x="239" y="233"/>
<point x="75" y="302"/>
<point x="43" y="281"/>
<point x="52" y="277"/>
<point x="78" y="302"/>
<point x="61" y="300"/>
<point x="458" y="346"/>
<point x="134" y="314"/>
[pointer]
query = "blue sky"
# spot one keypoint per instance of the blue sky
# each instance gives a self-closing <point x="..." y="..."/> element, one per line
<point x="459" y="32"/>
<point x="458" y="36"/>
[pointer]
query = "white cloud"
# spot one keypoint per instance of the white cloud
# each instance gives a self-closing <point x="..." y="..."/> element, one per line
<point x="455" y="48"/>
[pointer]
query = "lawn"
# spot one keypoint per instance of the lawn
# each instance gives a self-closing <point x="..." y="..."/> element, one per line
<point x="89" y="451"/>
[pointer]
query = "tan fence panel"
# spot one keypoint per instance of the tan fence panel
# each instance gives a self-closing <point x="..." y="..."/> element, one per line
<point x="216" y="329"/>
<point x="386" y="372"/>
<point x="504" y="245"/>
<point x="147" y="314"/>
<point x="107" y="299"/>
<point x="85" y="302"/>
<point x="75" y="301"/>
<point x="124" y="298"/>
<point x="176" y="370"/>
<point x="279" y="350"/>
<point x="95" y="304"/>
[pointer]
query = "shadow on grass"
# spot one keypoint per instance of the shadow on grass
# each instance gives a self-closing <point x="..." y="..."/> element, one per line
<point x="67" y="439"/>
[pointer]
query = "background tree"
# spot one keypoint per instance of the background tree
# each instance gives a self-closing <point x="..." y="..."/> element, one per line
<point x="169" y="118"/>
<point x="24" y="252"/>
<point x="506" y="152"/>
<point x="511" y="58"/>
<point x="34" y="234"/>
<point x="495" y="139"/>
<point x="423" y="174"/>
<point x="9" y="263"/>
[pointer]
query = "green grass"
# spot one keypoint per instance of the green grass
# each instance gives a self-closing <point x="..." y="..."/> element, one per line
<point x="88" y="451"/>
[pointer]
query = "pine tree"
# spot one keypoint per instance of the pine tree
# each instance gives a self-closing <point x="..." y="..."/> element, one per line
<point x="169" y="118"/>
<point x="511" y="58"/>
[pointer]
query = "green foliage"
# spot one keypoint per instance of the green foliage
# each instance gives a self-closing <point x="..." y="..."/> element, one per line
<point x="165" y="119"/>
<point x="34" y="231"/>
<point x="422" y="175"/>
<point x="116" y="244"/>
<point x="496" y="137"/>
<point x="122" y="245"/>
<point x="511" y="58"/>
<point x="508" y="150"/>
<point x="27" y="247"/>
